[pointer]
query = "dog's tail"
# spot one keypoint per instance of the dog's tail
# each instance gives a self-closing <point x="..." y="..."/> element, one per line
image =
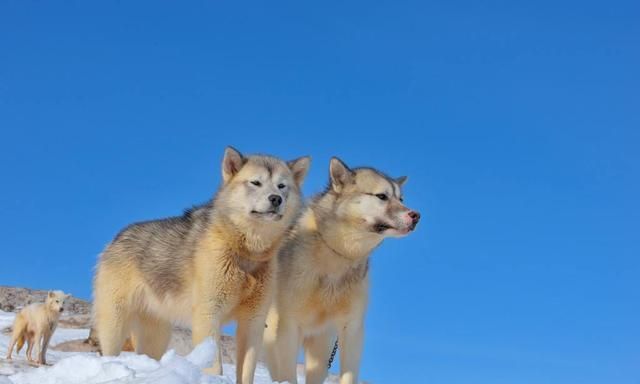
<point x="20" y="343"/>
<point x="19" y="330"/>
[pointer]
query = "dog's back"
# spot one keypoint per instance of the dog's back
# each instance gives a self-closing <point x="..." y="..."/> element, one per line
<point x="32" y="317"/>
<point x="160" y="250"/>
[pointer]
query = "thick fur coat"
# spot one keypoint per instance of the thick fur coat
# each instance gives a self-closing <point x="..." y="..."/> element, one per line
<point x="213" y="264"/>
<point x="322" y="286"/>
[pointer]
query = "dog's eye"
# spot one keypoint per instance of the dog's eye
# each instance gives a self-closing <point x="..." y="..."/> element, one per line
<point x="256" y="183"/>
<point x="57" y="301"/>
<point x="281" y="186"/>
<point x="382" y="196"/>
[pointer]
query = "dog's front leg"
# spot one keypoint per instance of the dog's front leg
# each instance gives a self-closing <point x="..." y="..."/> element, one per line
<point x="212" y="301"/>
<point x="350" y="343"/>
<point x="207" y="321"/>
<point x="46" y="337"/>
<point x="37" y="343"/>
<point x="249" y="342"/>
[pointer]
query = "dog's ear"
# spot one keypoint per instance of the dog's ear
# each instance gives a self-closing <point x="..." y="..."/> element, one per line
<point x="231" y="163"/>
<point x="51" y="294"/>
<point x="401" y="180"/>
<point x="299" y="168"/>
<point x="340" y="174"/>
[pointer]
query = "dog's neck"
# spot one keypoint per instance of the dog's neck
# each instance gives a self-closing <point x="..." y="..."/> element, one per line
<point x="258" y="244"/>
<point x="52" y="315"/>
<point x="334" y="260"/>
<point x="344" y="240"/>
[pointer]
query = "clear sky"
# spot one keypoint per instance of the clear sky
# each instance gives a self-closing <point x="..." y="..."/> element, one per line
<point x="516" y="122"/>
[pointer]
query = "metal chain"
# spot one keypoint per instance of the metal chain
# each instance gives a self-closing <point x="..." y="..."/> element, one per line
<point x="333" y="354"/>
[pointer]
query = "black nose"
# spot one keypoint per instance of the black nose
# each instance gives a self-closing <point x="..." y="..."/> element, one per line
<point x="275" y="200"/>
<point x="415" y="216"/>
<point x="61" y="309"/>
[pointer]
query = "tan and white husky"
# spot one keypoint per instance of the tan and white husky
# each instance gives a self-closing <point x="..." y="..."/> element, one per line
<point x="322" y="285"/>
<point x="213" y="264"/>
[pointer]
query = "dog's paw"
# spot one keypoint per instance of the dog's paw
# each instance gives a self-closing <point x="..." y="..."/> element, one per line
<point x="216" y="371"/>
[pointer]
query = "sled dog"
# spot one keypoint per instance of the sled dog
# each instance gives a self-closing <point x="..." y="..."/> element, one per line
<point x="322" y="284"/>
<point x="213" y="264"/>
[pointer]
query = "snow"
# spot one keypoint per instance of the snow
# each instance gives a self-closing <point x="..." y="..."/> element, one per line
<point x="130" y="368"/>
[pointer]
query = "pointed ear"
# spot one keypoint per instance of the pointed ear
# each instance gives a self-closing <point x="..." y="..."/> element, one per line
<point x="401" y="180"/>
<point x="339" y="173"/>
<point x="231" y="163"/>
<point x="299" y="167"/>
<point x="50" y="294"/>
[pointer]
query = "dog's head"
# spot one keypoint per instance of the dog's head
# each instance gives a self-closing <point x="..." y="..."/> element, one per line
<point x="55" y="301"/>
<point x="370" y="200"/>
<point x="261" y="190"/>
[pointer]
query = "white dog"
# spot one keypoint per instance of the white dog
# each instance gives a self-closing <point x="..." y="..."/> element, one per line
<point x="36" y="323"/>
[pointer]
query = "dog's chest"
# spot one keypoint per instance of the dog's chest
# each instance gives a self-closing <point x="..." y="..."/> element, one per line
<point x="253" y="275"/>
<point x="328" y="300"/>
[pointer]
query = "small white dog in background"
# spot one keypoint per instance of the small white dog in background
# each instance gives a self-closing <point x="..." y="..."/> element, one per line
<point x="35" y="324"/>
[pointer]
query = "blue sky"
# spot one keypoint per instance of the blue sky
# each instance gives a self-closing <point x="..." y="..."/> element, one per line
<point x="517" y="123"/>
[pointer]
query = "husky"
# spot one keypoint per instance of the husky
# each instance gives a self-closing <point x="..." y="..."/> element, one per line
<point x="213" y="264"/>
<point x="35" y="324"/>
<point x="322" y="286"/>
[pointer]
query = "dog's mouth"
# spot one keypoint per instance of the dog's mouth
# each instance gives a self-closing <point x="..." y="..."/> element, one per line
<point x="381" y="227"/>
<point x="271" y="215"/>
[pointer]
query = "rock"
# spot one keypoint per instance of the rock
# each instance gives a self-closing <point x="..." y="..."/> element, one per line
<point x="13" y="299"/>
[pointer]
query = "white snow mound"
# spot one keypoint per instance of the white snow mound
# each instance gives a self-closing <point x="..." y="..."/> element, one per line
<point x="127" y="368"/>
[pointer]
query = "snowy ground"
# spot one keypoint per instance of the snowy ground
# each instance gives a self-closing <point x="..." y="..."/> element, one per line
<point x="89" y="368"/>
